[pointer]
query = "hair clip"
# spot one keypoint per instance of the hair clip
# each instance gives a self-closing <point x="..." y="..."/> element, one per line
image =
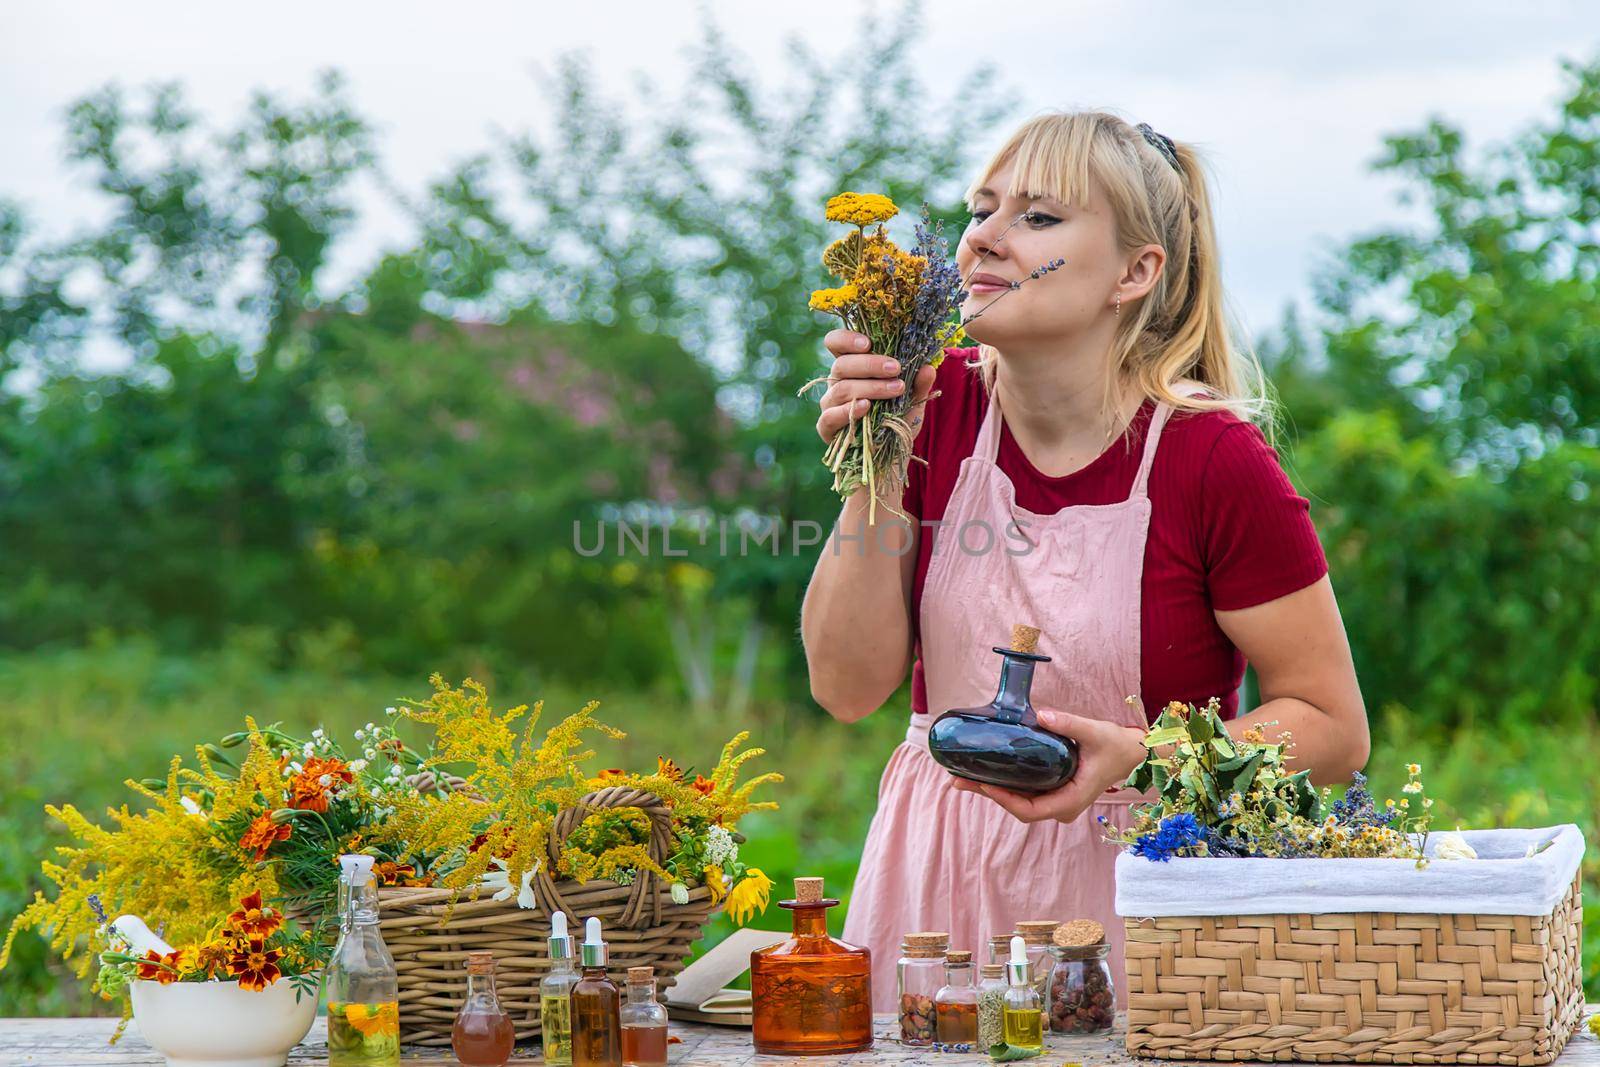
<point x="1162" y="143"/>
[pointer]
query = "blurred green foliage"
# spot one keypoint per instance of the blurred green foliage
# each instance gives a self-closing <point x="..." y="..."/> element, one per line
<point x="285" y="497"/>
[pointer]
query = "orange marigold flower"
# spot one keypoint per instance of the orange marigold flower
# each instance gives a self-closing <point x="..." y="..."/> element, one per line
<point x="388" y="872"/>
<point x="372" y="1020"/>
<point x="668" y="770"/>
<point x="309" y="789"/>
<point x="253" y="919"/>
<point x="213" y="956"/>
<point x="703" y="785"/>
<point x="611" y="774"/>
<point x="262" y="834"/>
<point x="158" y="968"/>
<point x="255" y="965"/>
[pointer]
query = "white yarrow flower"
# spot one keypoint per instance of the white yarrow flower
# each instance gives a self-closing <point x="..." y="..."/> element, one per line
<point x="357" y="766"/>
<point x="720" y="847"/>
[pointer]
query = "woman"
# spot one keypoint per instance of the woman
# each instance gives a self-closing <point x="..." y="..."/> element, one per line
<point x="1102" y="433"/>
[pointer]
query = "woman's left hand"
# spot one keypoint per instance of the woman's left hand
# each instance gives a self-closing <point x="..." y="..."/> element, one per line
<point x="1107" y="754"/>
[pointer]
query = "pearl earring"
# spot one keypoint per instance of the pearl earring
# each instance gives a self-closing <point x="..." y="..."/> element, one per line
<point x="1119" y="301"/>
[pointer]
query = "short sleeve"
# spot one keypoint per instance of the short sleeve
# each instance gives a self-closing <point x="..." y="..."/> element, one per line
<point x="1260" y="543"/>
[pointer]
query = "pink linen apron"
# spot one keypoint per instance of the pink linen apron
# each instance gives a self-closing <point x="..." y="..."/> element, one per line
<point x="939" y="859"/>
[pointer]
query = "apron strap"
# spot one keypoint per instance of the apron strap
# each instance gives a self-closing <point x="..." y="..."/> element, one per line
<point x="987" y="447"/>
<point x="1158" y="422"/>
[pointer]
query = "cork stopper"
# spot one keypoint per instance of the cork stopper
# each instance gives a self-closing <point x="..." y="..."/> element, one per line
<point x="480" y="962"/>
<point x="1079" y="933"/>
<point x="1037" y="931"/>
<point x="959" y="956"/>
<point x="808" y="890"/>
<point x="929" y="945"/>
<point x="640" y="975"/>
<point x="994" y="970"/>
<point x="1024" y="638"/>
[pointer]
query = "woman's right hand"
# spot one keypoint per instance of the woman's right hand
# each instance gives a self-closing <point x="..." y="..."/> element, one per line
<point x="859" y="377"/>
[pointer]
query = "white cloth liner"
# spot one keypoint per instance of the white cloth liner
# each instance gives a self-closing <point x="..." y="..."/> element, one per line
<point x="1502" y="881"/>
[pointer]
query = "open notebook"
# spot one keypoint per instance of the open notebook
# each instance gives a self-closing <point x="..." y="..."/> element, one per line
<point x="701" y="992"/>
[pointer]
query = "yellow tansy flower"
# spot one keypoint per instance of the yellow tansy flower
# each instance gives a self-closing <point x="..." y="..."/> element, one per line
<point x="831" y="300"/>
<point x="860" y="209"/>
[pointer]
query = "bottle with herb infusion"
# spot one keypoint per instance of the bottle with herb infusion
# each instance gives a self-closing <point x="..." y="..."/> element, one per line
<point x="363" y="988"/>
<point x="555" y="995"/>
<point x="812" y="994"/>
<point x="644" y="1022"/>
<point x="955" y="1006"/>
<point x="483" y="1035"/>
<point x="596" y="1021"/>
<point x="1022" y="1015"/>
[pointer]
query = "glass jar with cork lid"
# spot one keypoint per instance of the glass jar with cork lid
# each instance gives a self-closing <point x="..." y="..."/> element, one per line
<point x="919" y="974"/>
<point x="1083" y="997"/>
<point x="991" y="1005"/>
<point x="955" y="1006"/>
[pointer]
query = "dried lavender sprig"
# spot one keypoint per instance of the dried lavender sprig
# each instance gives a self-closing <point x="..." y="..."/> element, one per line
<point x="1036" y="273"/>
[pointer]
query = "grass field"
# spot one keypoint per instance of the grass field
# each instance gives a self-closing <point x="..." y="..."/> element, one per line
<point x="77" y="723"/>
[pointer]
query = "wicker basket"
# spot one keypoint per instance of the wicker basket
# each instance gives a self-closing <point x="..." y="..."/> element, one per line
<point x="643" y="926"/>
<point x="1356" y="988"/>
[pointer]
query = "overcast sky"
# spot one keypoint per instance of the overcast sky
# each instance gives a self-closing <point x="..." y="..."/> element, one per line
<point x="1289" y="100"/>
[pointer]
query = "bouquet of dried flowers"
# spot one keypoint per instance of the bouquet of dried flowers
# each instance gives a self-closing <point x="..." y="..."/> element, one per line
<point x="908" y="305"/>
<point x="1221" y="796"/>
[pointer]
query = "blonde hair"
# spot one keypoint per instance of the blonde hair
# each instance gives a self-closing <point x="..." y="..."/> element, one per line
<point x="1179" y="330"/>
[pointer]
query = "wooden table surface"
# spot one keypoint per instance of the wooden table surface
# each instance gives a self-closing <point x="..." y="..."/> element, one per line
<point x="70" y="1042"/>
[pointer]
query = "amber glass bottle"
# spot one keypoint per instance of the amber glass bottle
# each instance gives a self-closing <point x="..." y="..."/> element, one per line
<point x="1002" y="742"/>
<point x="483" y="1035"/>
<point x="812" y="994"/>
<point x="596" y="1004"/>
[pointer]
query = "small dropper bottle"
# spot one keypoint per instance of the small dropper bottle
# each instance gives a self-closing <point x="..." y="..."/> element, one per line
<point x="1022" y="1017"/>
<point x="555" y="995"/>
<point x="596" y="1006"/>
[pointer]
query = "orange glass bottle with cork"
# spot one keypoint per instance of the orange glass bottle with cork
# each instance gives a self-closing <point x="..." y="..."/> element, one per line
<point x="1002" y="742"/>
<point x="483" y="1035"/>
<point x="811" y="994"/>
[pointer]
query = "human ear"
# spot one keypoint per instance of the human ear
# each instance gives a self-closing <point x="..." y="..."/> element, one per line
<point x="1142" y="272"/>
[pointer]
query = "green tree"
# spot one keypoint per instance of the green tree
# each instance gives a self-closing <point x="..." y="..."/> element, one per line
<point x="1448" y="409"/>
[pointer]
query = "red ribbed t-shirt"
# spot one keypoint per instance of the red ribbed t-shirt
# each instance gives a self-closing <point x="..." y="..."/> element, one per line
<point x="1227" y="529"/>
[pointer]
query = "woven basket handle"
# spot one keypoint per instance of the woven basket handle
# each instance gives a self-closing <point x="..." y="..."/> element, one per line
<point x="644" y="899"/>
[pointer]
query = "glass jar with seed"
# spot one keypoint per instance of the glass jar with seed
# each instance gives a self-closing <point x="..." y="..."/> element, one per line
<point x="919" y="974"/>
<point x="991" y="1003"/>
